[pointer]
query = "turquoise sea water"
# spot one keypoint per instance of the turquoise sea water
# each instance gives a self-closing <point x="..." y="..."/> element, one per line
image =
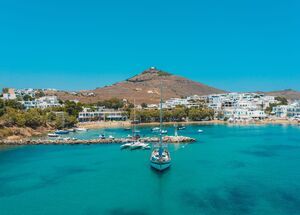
<point x="229" y="170"/>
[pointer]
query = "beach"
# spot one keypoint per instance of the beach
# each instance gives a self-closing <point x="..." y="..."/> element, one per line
<point x="112" y="124"/>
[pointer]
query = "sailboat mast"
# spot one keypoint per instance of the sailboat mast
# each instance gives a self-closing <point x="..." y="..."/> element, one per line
<point x="160" y="116"/>
<point x="133" y="130"/>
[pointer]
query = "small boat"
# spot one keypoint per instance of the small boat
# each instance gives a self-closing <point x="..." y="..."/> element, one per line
<point x="126" y="145"/>
<point x="181" y="127"/>
<point x="53" y="135"/>
<point x="62" y="132"/>
<point x="102" y="136"/>
<point x="129" y="136"/>
<point x="66" y="138"/>
<point x="71" y="130"/>
<point x="155" y="129"/>
<point x="138" y="145"/>
<point x="81" y="129"/>
<point x="127" y="129"/>
<point x="111" y="137"/>
<point x="164" y="131"/>
<point x="200" y="131"/>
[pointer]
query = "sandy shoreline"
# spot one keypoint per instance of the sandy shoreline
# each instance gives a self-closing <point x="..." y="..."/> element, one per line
<point x="102" y="124"/>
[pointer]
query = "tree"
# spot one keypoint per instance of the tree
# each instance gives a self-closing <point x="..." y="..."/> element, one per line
<point x="13" y="117"/>
<point x="144" y="105"/>
<point x="1" y="107"/>
<point x="178" y="114"/>
<point x="72" y="108"/>
<point x="114" y="103"/>
<point x="13" y="104"/>
<point x="282" y="100"/>
<point x="198" y="114"/>
<point x="27" y="98"/>
<point x="34" y="118"/>
<point x="39" y="94"/>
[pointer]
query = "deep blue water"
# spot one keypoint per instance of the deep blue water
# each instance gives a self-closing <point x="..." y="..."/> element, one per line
<point x="229" y="170"/>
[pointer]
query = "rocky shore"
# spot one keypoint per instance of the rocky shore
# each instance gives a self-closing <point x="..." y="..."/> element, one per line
<point x="166" y="139"/>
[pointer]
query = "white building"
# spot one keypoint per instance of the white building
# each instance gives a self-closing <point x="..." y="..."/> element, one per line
<point x="43" y="102"/>
<point x="293" y="110"/>
<point x="22" y="92"/>
<point x="285" y="111"/>
<point x="280" y="111"/>
<point x="244" y="114"/>
<point x="48" y="101"/>
<point x="29" y="104"/>
<point x="10" y="94"/>
<point x="100" y="114"/>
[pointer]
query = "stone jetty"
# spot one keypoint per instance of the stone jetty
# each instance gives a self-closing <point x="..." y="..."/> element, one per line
<point x="66" y="141"/>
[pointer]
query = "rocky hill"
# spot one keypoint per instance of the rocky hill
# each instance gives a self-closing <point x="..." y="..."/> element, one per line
<point x="288" y="94"/>
<point x="144" y="87"/>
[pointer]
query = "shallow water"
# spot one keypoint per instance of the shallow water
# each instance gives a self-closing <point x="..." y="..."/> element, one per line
<point x="229" y="170"/>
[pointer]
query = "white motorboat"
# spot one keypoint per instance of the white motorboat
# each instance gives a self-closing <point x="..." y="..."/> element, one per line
<point x="111" y="137"/>
<point x="53" y="135"/>
<point x="81" y="129"/>
<point x="155" y="129"/>
<point x="164" y="131"/>
<point x="139" y="145"/>
<point x="126" y="145"/>
<point x="200" y="131"/>
<point x="62" y="132"/>
<point x="181" y="127"/>
<point x="102" y="136"/>
<point x="160" y="158"/>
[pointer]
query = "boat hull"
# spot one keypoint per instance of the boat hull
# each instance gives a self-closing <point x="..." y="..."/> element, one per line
<point x="133" y="147"/>
<point x="61" y="132"/>
<point x="160" y="166"/>
<point x="126" y="145"/>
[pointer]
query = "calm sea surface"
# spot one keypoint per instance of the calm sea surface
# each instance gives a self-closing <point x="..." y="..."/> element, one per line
<point x="229" y="170"/>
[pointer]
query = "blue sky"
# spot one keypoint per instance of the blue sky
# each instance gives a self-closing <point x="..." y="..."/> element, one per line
<point x="234" y="45"/>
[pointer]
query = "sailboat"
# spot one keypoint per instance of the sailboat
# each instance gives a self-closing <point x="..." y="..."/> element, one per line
<point x="63" y="125"/>
<point x="128" y="145"/>
<point x="160" y="157"/>
<point x="134" y="144"/>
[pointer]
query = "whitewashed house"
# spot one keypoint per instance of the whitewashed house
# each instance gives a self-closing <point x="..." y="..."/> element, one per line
<point x="101" y="114"/>
<point x="10" y="94"/>
<point x="280" y="111"/>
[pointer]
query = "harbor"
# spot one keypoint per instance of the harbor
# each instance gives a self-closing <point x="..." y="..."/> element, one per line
<point x="224" y="162"/>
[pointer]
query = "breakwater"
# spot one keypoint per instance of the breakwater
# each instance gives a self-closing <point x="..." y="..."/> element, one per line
<point x="166" y="139"/>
